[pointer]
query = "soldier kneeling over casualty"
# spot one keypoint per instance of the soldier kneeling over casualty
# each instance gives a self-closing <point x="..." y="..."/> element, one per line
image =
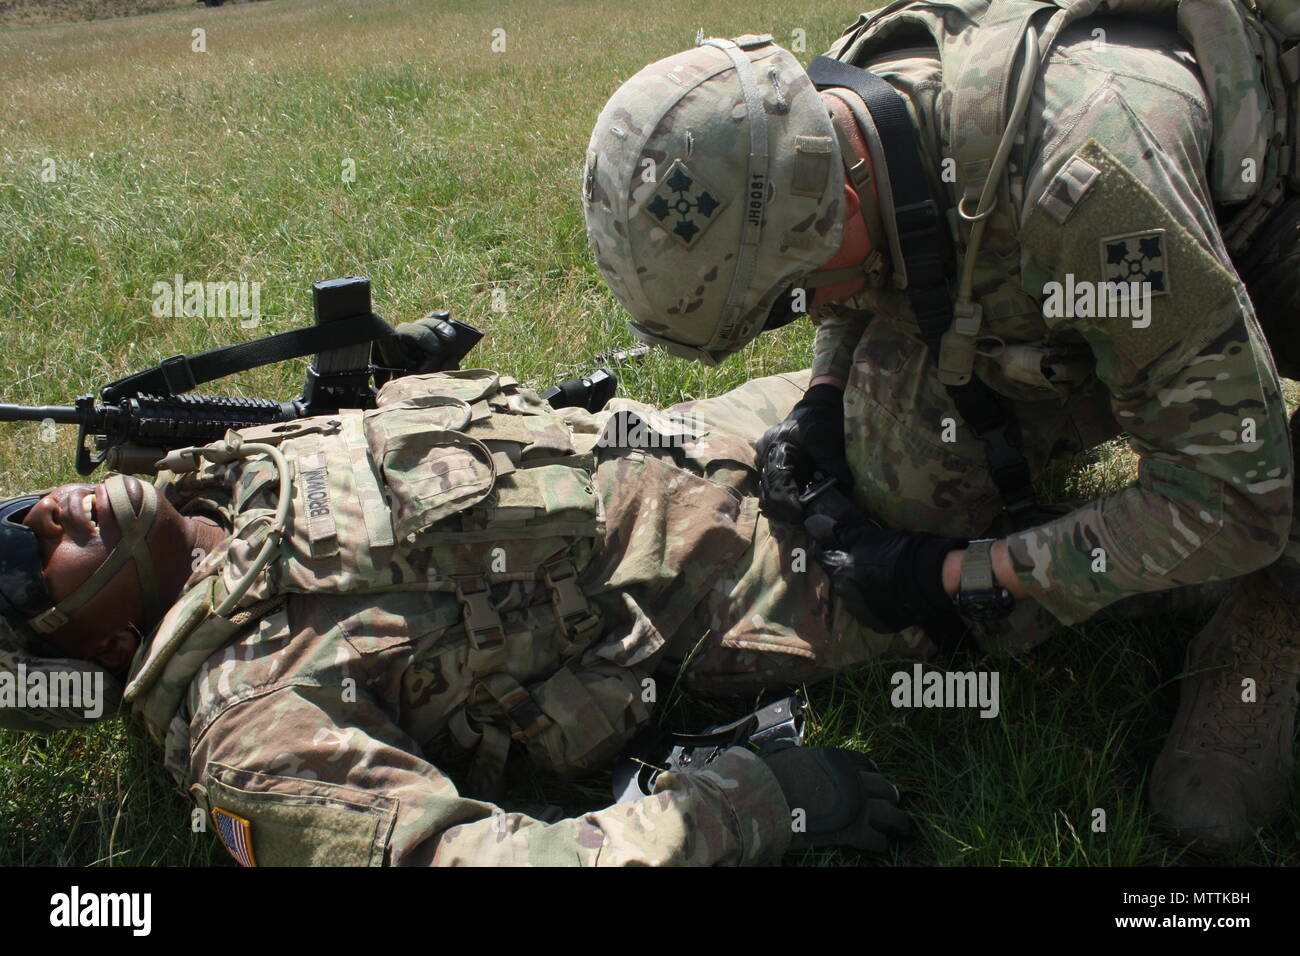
<point x="318" y="621"/>
<point x="1023" y="228"/>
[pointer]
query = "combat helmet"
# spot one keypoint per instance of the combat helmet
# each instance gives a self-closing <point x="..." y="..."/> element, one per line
<point x="713" y="186"/>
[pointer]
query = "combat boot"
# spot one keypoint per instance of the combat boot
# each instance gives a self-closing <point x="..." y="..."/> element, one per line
<point x="1227" y="767"/>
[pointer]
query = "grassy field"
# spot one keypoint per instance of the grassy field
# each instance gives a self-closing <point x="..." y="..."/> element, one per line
<point x="230" y="164"/>
<point x="40" y="12"/>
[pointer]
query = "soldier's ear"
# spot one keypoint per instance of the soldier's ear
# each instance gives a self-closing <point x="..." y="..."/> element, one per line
<point x="852" y="204"/>
<point x="114" y="651"/>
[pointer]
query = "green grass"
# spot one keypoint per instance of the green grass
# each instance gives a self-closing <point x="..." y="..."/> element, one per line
<point x="228" y="164"/>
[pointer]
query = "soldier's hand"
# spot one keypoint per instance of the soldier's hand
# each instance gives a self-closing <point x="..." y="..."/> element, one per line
<point x="808" y="442"/>
<point x="888" y="580"/>
<point x="418" y="346"/>
<point x="843" y="798"/>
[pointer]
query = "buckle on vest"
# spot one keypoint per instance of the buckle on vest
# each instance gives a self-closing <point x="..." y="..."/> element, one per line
<point x="958" y="346"/>
<point x="574" y="614"/>
<point x="482" y="622"/>
<point x="875" y="268"/>
<point x="48" y="621"/>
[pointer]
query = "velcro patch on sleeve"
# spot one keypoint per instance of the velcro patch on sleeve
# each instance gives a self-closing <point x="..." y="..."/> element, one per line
<point x="300" y="822"/>
<point x="812" y="163"/>
<point x="1068" y="188"/>
<point x="1126" y="270"/>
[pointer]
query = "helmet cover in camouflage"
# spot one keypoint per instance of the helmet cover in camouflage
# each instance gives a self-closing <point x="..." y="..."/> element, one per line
<point x="43" y="693"/>
<point x="713" y="183"/>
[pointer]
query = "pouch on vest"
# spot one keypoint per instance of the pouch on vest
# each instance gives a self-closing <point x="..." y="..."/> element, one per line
<point x="496" y="496"/>
<point x="569" y="723"/>
<point x="491" y="494"/>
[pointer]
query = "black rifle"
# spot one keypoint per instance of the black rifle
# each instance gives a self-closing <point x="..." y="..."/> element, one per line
<point x="138" y="419"/>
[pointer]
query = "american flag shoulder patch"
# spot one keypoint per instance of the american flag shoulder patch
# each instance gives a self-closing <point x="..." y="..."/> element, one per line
<point x="236" y="834"/>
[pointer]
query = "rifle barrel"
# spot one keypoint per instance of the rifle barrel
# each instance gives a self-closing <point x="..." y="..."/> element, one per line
<point x="63" y="414"/>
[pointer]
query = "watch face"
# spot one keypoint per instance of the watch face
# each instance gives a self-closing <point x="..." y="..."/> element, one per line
<point x="992" y="604"/>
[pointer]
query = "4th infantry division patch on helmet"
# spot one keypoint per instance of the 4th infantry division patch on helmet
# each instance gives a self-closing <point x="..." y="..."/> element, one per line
<point x="713" y="184"/>
<point x="683" y="205"/>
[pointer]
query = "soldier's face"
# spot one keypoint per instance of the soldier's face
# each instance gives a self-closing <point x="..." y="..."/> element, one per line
<point x="77" y="530"/>
<point x="855" y="246"/>
<point x="855" y="243"/>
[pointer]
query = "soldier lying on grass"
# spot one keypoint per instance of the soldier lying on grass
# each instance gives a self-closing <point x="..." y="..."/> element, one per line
<point x="343" y="630"/>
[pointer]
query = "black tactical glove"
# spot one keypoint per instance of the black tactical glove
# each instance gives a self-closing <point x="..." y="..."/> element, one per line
<point x="844" y="799"/>
<point x="810" y="441"/>
<point x="418" y="347"/>
<point x="888" y="580"/>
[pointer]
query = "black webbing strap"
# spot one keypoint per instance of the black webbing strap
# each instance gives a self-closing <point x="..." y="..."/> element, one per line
<point x="180" y="373"/>
<point x="923" y="243"/>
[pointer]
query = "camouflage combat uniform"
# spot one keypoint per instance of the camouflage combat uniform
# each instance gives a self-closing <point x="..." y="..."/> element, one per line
<point x="319" y="723"/>
<point x="1109" y="177"/>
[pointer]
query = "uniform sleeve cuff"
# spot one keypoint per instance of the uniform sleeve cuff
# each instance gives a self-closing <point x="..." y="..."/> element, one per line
<point x="756" y="809"/>
<point x="1033" y="573"/>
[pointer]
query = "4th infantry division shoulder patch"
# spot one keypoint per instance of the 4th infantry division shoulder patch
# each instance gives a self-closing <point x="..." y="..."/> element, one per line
<point x="1136" y="257"/>
<point x="237" y="835"/>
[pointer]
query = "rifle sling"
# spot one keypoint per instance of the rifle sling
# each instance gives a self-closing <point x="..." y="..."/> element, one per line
<point x="923" y="243"/>
<point x="181" y="373"/>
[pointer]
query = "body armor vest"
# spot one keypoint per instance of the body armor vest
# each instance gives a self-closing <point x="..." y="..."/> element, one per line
<point x="454" y="482"/>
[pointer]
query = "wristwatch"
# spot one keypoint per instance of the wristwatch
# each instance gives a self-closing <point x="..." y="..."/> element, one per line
<point x="979" y="596"/>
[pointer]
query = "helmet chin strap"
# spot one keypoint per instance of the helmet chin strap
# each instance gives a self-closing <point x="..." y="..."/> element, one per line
<point x="135" y="526"/>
